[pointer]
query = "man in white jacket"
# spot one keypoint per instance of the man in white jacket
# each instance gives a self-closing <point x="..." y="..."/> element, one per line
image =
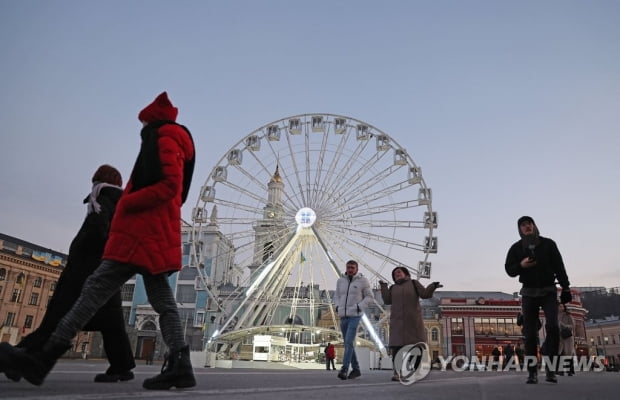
<point x="352" y="296"/>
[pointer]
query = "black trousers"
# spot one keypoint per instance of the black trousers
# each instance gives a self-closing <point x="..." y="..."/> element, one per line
<point x="531" y="307"/>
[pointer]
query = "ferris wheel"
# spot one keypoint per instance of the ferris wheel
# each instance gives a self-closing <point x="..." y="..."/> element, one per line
<point x="287" y="205"/>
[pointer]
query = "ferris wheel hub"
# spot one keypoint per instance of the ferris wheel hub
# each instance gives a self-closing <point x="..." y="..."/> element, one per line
<point x="305" y="217"/>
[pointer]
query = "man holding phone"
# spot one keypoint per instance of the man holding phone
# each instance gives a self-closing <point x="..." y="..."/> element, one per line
<point x="538" y="263"/>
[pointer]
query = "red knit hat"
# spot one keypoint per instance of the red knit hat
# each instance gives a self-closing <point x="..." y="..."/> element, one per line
<point x="108" y="174"/>
<point x="161" y="109"/>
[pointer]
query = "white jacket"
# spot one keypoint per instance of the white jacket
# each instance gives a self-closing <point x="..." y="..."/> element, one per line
<point x="352" y="296"/>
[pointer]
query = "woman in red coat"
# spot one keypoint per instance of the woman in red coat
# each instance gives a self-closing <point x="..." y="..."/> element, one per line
<point x="145" y="238"/>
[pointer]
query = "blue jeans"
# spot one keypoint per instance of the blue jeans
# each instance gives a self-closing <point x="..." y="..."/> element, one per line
<point x="348" y="326"/>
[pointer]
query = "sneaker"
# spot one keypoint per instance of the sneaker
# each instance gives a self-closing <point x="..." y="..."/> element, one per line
<point x="354" y="374"/>
<point x="395" y="377"/>
<point x="107" y="377"/>
<point x="532" y="378"/>
<point x="342" y="375"/>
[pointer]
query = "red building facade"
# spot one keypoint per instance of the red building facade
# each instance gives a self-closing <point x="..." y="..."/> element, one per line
<point x="474" y="326"/>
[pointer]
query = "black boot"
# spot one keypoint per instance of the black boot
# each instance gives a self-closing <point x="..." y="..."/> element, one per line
<point x="176" y="372"/>
<point x="532" y="376"/>
<point x="111" y="375"/>
<point x="6" y="354"/>
<point x="34" y="366"/>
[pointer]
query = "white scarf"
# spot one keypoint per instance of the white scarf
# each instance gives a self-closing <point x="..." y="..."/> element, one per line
<point x="93" y="205"/>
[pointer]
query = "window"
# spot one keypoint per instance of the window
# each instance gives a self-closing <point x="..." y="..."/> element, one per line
<point x="186" y="294"/>
<point x="188" y="273"/>
<point x="127" y="292"/>
<point x="2" y="274"/>
<point x="53" y="286"/>
<point x="38" y="282"/>
<point x="16" y="296"/>
<point x="9" y="246"/>
<point x="28" y="321"/>
<point x="435" y="335"/>
<point x="34" y="299"/>
<point x="10" y="319"/>
<point x="21" y="279"/>
<point x="457" y="326"/>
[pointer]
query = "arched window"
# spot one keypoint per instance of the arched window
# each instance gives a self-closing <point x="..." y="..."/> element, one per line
<point x="435" y="335"/>
<point x="149" y="326"/>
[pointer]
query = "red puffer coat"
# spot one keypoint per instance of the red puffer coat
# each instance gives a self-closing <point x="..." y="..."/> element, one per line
<point x="146" y="228"/>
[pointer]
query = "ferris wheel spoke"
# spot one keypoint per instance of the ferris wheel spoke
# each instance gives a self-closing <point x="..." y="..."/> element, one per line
<point x="385" y="223"/>
<point x="381" y="256"/>
<point x="248" y="194"/>
<point x="298" y="181"/>
<point x="343" y="181"/>
<point x="356" y="201"/>
<point x="319" y="165"/>
<point x="383" y="208"/>
<point x="385" y="239"/>
<point x="366" y="177"/>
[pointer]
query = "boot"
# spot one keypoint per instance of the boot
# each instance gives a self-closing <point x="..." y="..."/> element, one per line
<point x="532" y="377"/>
<point x="114" y="376"/>
<point x="6" y="354"/>
<point x="34" y="366"/>
<point x="176" y="372"/>
<point x="551" y="377"/>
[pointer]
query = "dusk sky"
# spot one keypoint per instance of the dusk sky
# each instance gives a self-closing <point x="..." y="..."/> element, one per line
<point x="511" y="108"/>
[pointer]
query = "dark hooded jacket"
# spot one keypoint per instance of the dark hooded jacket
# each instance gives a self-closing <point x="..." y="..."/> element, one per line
<point x="549" y="265"/>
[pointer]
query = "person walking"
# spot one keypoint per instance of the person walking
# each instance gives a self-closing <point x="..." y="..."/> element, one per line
<point x="330" y="355"/>
<point x="84" y="257"/>
<point x="406" y="322"/>
<point x="567" y="339"/>
<point x="537" y="262"/>
<point x="145" y="238"/>
<point x="352" y="297"/>
<point x="509" y="352"/>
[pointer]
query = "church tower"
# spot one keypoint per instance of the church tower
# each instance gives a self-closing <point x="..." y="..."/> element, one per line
<point x="270" y="231"/>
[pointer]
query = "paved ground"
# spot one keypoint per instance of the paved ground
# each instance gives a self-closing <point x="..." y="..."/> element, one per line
<point x="73" y="380"/>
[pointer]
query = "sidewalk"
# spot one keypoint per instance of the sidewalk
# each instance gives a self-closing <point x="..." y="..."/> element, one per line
<point x="73" y="380"/>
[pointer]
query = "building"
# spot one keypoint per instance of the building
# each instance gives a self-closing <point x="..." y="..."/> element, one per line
<point x="474" y="323"/>
<point x="604" y="340"/>
<point x="28" y="277"/>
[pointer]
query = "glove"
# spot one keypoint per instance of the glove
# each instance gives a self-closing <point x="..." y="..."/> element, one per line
<point x="566" y="296"/>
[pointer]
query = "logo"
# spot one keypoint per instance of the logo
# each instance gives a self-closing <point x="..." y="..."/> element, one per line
<point x="412" y="363"/>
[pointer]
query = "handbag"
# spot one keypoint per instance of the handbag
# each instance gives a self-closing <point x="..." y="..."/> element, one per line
<point x="565" y="332"/>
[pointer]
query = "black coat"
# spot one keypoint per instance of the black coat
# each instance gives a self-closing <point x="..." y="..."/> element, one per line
<point x="84" y="257"/>
<point x="549" y="265"/>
